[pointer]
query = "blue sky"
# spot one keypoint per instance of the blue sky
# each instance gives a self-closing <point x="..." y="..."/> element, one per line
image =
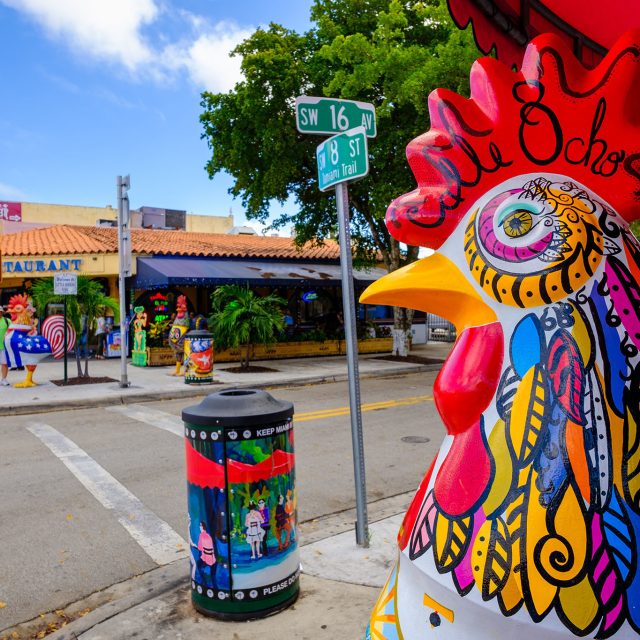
<point x="92" y="89"/>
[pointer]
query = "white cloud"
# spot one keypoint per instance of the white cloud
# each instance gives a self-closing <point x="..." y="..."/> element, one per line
<point x="112" y="31"/>
<point x="103" y="30"/>
<point x="207" y="59"/>
<point x="7" y="192"/>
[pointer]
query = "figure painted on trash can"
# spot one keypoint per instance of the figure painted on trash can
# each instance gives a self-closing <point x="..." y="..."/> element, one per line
<point x="255" y="531"/>
<point x="527" y="523"/>
<point x="177" y="332"/>
<point x="23" y="345"/>
<point x="283" y="524"/>
<point x="266" y="525"/>
<point x="207" y="560"/>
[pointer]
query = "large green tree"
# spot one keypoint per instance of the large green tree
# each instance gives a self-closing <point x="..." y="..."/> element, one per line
<point x="387" y="52"/>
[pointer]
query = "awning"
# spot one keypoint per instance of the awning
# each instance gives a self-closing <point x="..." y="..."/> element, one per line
<point x="163" y="272"/>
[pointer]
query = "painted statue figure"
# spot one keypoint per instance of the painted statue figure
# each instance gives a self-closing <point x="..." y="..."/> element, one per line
<point x="177" y="332"/>
<point x="527" y="524"/>
<point x="139" y="351"/>
<point x="24" y="347"/>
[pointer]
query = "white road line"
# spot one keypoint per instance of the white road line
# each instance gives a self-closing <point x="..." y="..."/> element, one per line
<point x="154" y="417"/>
<point x="154" y="535"/>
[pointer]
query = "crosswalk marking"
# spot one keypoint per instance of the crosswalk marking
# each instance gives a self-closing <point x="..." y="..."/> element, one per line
<point x="153" y="534"/>
<point x="154" y="417"/>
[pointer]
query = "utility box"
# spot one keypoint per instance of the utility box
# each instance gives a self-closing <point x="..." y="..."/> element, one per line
<point x="243" y="534"/>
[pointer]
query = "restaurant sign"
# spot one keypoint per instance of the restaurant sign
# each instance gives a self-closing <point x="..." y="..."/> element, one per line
<point x="41" y="266"/>
<point x="11" y="211"/>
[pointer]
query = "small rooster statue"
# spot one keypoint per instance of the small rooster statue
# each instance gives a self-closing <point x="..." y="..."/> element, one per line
<point x="24" y="347"/>
<point x="178" y="331"/>
<point x="527" y="524"/>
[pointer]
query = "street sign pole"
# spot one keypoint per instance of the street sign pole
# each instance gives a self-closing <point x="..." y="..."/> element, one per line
<point x="351" y="339"/>
<point x="65" y="285"/>
<point x="65" y="339"/>
<point x="341" y="159"/>
<point x="124" y="254"/>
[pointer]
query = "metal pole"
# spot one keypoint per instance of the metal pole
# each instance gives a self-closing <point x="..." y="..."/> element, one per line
<point x="65" y="345"/>
<point x="351" y="339"/>
<point x="122" y="184"/>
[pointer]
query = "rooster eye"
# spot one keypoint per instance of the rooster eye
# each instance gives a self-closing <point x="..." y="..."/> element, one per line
<point x="518" y="223"/>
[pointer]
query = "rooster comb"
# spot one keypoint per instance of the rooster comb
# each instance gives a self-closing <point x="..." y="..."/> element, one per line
<point x="553" y="115"/>
<point x="19" y="299"/>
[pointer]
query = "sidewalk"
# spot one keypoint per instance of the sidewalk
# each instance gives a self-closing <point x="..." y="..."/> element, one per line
<point x="339" y="585"/>
<point x="154" y="383"/>
<point x="340" y="581"/>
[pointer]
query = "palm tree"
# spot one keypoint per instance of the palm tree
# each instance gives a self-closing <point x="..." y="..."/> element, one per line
<point x="242" y="318"/>
<point x="90" y="302"/>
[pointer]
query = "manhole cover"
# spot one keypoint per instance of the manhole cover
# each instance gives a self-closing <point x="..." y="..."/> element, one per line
<point x="415" y="439"/>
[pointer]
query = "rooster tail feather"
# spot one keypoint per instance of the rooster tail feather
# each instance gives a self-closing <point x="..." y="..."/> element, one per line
<point x="492" y="557"/>
<point x="423" y="531"/>
<point x="606" y="582"/>
<point x="631" y="446"/>
<point x="619" y="537"/>
<point x="528" y="415"/>
<point x="451" y="541"/>
<point x="566" y="374"/>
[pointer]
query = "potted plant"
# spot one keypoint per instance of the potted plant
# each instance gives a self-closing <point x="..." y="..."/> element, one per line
<point x="242" y="319"/>
<point x="159" y="352"/>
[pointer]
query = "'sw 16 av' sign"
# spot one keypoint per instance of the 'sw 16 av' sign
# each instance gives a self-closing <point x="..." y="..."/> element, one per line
<point x="328" y="115"/>
<point x="342" y="157"/>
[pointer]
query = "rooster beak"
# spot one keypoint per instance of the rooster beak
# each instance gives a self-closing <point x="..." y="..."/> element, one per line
<point x="435" y="285"/>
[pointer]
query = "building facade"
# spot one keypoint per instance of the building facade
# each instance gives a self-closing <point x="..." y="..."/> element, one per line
<point x="20" y="216"/>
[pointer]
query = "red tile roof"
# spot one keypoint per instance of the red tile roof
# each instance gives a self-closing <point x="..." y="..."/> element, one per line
<point x="67" y="239"/>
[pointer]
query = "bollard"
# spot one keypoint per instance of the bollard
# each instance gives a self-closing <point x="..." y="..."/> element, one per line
<point x="198" y="357"/>
<point x="243" y="537"/>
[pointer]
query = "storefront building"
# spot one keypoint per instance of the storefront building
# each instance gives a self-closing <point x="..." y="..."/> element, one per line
<point x="169" y="263"/>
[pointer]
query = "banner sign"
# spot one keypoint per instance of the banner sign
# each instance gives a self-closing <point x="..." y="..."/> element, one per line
<point x="11" y="211"/>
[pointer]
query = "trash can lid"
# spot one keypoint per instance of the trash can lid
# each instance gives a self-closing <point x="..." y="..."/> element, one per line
<point x="238" y="407"/>
<point x="198" y="333"/>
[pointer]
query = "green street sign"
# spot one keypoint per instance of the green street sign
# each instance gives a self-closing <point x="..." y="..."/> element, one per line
<point x="342" y="158"/>
<point x="328" y="115"/>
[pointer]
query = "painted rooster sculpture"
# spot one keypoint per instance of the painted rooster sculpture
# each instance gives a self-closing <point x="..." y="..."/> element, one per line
<point x="24" y="347"/>
<point x="527" y="524"/>
<point x="177" y="333"/>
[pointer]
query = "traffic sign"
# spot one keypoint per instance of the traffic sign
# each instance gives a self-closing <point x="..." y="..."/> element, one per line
<point x="328" y="115"/>
<point x="65" y="284"/>
<point x="342" y="157"/>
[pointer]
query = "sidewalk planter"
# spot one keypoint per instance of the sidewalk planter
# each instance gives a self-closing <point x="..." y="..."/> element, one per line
<point x="280" y="350"/>
<point x="160" y="356"/>
<point x="245" y="561"/>
<point x="371" y="345"/>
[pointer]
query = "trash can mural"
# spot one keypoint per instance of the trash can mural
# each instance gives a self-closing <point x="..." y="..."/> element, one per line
<point x="242" y="504"/>
<point x="198" y="357"/>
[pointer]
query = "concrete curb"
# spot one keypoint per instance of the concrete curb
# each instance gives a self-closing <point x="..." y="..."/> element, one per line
<point x="174" y="576"/>
<point x="198" y="391"/>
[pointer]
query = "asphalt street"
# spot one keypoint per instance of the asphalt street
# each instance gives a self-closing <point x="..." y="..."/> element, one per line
<point x="93" y="497"/>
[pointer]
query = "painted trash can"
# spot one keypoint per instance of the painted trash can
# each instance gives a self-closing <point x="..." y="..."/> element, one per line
<point x="198" y="357"/>
<point x="243" y="535"/>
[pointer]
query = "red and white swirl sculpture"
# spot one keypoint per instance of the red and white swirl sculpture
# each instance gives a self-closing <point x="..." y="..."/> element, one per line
<point x="52" y="329"/>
